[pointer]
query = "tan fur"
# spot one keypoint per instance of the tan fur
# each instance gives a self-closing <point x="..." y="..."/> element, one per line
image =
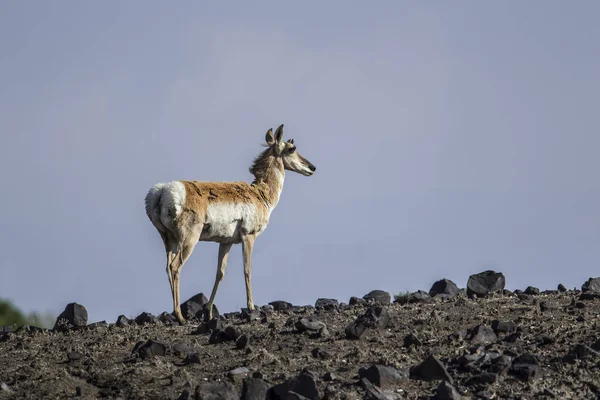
<point x="192" y="224"/>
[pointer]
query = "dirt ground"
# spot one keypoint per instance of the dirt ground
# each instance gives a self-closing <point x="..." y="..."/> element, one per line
<point x="502" y="347"/>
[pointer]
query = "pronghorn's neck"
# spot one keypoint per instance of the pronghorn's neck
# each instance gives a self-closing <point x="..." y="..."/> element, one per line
<point x="269" y="176"/>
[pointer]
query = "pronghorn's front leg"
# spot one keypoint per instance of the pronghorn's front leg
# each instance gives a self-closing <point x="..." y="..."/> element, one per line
<point x="222" y="263"/>
<point x="248" y="245"/>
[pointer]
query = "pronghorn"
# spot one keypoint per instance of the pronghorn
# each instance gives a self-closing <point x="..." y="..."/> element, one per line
<point x="185" y="212"/>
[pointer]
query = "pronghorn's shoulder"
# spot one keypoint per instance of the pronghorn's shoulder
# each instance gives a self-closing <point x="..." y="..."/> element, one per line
<point x="229" y="192"/>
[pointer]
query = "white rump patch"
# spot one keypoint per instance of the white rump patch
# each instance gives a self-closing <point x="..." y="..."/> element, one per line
<point x="164" y="202"/>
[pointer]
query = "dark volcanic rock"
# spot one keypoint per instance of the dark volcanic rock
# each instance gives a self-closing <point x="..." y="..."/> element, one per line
<point x="123" y="321"/>
<point x="374" y="318"/>
<point x="504" y="326"/>
<point x="311" y="324"/>
<point x="378" y="296"/>
<point x="154" y="348"/>
<point x="561" y="288"/>
<point x="146" y="318"/>
<point x="356" y="301"/>
<point x="321" y="353"/>
<point x="548" y="305"/>
<point x="254" y="389"/>
<point x="591" y="285"/>
<point x="482" y="334"/>
<point x="242" y="342"/>
<point x="222" y="390"/>
<point x="484" y="283"/>
<point x="580" y="352"/>
<point x="193" y="308"/>
<point x="167" y="318"/>
<point x="411" y="340"/>
<point x="280" y="305"/>
<point x="431" y="369"/>
<point x="382" y="376"/>
<point x="303" y="384"/>
<point x="74" y="315"/>
<point x="445" y="287"/>
<point x="327" y="304"/>
<point x="532" y="290"/>
<point x="419" y="297"/>
<point x="445" y="391"/>
<point x="485" y="378"/>
<point x="525" y="367"/>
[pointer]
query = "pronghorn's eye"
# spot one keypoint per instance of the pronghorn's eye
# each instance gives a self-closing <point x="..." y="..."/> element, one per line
<point x="292" y="149"/>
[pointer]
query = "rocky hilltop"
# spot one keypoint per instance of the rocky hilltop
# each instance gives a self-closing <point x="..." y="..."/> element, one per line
<point x="480" y="342"/>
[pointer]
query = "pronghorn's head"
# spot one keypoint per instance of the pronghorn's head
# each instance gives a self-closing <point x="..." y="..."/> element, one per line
<point x="292" y="160"/>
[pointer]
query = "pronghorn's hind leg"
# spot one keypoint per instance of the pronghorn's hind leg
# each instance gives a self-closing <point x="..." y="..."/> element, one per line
<point x="185" y="247"/>
<point x="221" y="264"/>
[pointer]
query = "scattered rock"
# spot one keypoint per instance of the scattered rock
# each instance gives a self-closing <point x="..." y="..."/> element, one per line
<point x="431" y="369"/>
<point x="356" y="301"/>
<point x="193" y="308"/>
<point x="218" y="390"/>
<point x="321" y="353"/>
<point x="330" y="377"/>
<point x="214" y="324"/>
<point x="445" y="391"/>
<point x="444" y="287"/>
<point x="74" y="356"/>
<point x="327" y="304"/>
<point x="241" y="342"/>
<point x="485" y="378"/>
<point x="182" y="349"/>
<point x="525" y="367"/>
<point x="280" y="305"/>
<point x="167" y="318"/>
<point x="507" y="292"/>
<point x="193" y="358"/>
<point x="580" y="352"/>
<point x="153" y="348"/>
<point x="303" y="384"/>
<point x="561" y="288"/>
<point x="123" y="321"/>
<point x="484" y="283"/>
<point x="378" y="296"/>
<point x="412" y="340"/>
<point x="591" y="285"/>
<point x="74" y="316"/>
<point x="504" y="326"/>
<point x="249" y="316"/>
<point x="230" y="333"/>
<point x="254" y="389"/>
<point x="482" y="334"/>
<point x="238" y="372"/>
<point x="5" y="388"/>
<point x="146" y="318"/>
<point x="532" y="290"/>
<point x="374" y="318"/>
<point x="312" y="325"/>
<point x="382" y="376"/>
<point x="548" y="305"/>
<point x="419" y="297"/>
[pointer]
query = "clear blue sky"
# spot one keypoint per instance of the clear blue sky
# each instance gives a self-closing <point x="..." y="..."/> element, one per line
<point x="448" y="138"/>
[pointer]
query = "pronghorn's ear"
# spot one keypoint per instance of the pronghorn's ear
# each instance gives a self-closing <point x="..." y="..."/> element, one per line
<point x="269" y="137"/>
<point x="279" y="134"/>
